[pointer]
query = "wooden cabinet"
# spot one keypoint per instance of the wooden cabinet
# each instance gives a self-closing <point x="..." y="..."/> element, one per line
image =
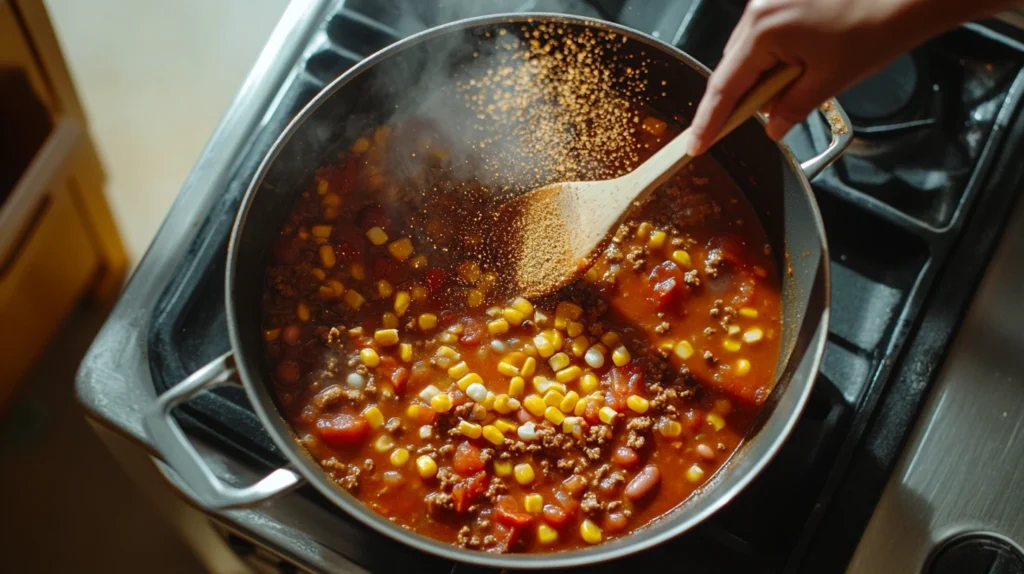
<point x="58" y="241"/>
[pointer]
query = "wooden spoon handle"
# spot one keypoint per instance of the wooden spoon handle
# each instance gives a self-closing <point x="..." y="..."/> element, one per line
<point x="769" y="86"/>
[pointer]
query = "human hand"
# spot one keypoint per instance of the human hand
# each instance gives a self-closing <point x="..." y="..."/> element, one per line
<point x="836" y="43"/>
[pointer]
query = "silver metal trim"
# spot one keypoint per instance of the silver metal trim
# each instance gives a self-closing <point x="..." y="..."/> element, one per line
<point x="842" y="137"/>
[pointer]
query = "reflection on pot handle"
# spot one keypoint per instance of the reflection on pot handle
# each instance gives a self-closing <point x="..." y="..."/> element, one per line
<point x="842" y="136"/>
<point x="179" y="454"/>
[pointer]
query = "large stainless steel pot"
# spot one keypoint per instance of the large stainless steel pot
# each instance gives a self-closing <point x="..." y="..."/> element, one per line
<point x="775" y="182"/>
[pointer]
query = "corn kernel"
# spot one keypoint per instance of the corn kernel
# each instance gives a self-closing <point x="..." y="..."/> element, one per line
<point x="402" y="300"/>
<point x="574" y="329"/>
<point x="399" y="457"/>
<point x="610" y="339"/>
<point x="533" y="503"/>
<point x="302" y="312"/>
<point x="695" y="473"/>
<point x="732" y="330"/>
<point x="427" y="321"/>
<point x="638" y="404"/>
<point x="523" y="306"/>
<point x="373" y="416"/>
<point x="607" y="415"/>
<point x="571" y="424"/>
<point x="670" y="428"/>
<point x="321" y="187"/>
<point x="516" y="387"/>
<point x="389" y="321"/>
<point x="318" y="273"/>
<point x="568" y="402"/>
<point x="742" y="367"/>
<point x="361" y="145"/>
<point x="581" y="406"/>
<point x="386" y="337"/>
<point x="543" y="384"/>
<point x="271" y="334"/>
<point x="418" y="292"/>
<point x="657" y="240"/>
<point x="419" y="262"/>
<point x="567" y="310"/>
<point x="489" y="401"/>
<point x="498" y="327"/>
<point x="384" y="443"/>
<point x="502" y="467"/>
<point x="331" y="200"/>
<point x="568" y="374"/>
<point x="553" y="398"/>
<point x="505" y="404"/>
<point x="513" y="316"/>
<point x="683" y="350"/>
<point x="405" y="352"/>
<point x="469" y="271"/>
<point x="469" y="379"/>
<point x="591" y="275"/>
<point x="559" y="361"/>
<point x="477" y="392"/>
<point x="474" y="298"/>
<point x="358" y="271"/>
<point x="556" y="338"/>
<point x="620" y="356"/>
<point x="748" y="312"/>
<point x="643" y="230"/>
<point x="731" y="345"/>
<point x="716" y="421"/>
<point x="369" y="357"/>
<point x="493" y="435"/>
<point x="681" y="257"/>
<point x="426" y="466"/>
<point x="589" y="383"/>
<point x="487" y="280"/>
<point x="528" y="368"/>
<point x="524" y="473"/>
<point x="508" y="369"/>
<point x="321" y="231"/>
<point x="354" y="299"/>
<point x="504" y="425"/>
<point x="546" y="534"/>
<point x="469" y="429"/>
<point x="401" y="249"/>
<point x="544" y="347"/>
<point x="554" y="415"/>
<point x="579" y="346"/>
<point x="327" y="257"/>
<point x="459" y="370"/>
<point x="594" y="356"/>
<point x="441" y="403"/>
<point x="753" y="335"/>
<point x="377" y="236"/>
<point x="590" y="532"/>
<point x="535" y="405"/>
<point x="448" y="353"/>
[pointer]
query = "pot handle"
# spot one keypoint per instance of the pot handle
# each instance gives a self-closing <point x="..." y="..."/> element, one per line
<point x="842" y="137"/>
<point x="179" y="454"/>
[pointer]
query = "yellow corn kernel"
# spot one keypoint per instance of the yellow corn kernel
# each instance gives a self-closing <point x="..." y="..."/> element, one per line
<point x="489" y="401"/>
<point x="474" y="298"/>
<point x="441" y="403"/>
<point x="271" y="334"/>
<point x="405" y="352"/>
<point x="508" y="369"/>
<point x="354" y="299"/>
<point x="446" y="352"/>
<point x="523" y="306"/>
<point x="469" y="429"/>
<point x="318" y="273"/>
<point x="681" y="257"/>
<point x="753" y="335"/>
<point x="505" y="425"/>
<point x="369" y="357"/>
<point x="544" y="347"/>
<point x="389" y="321"/>
<point x="579" y="346"/>
<point x="742" y="367"/>
<point x="386" y="337"/>
<point x="657" y="240"/>
<point x="401" y="249"/>
<point x="321" y="187"/>
<point x="418" y="292"/>
<point x="732" y="345"/>
<point x="748" y="312"/>
<point x="513" y="316"/>
<point x="326" y="293"/>
<point x="554" y="415"/>
<point x="419" y="262"/>
<point x="571" y="424"/>
<point x="373" y="416"/>
<point x="569" y="311"/>
<point x="377" y="236"/>
<point x="505" y="404"/>
<point x="591" y="532"/>
<point x="502" y="467"/>
<point x="524" y="473"/>
<point x="331" y="200"/>
<point x="402" y="300"/>
<point x="638" y="404"/>
<point x="384" y="443"/>
<point x="302" y="312"/>
<point x="493" y="435"/>
<point x="516" y="387"/>
<point x="559" y="361"/>
<point x="683" y="350"/>
<point x="610" y="339"/>
<point x="716" y="421"/>
<point x="620" y="356"/>
<point x="589" y="383"/>
<point x="533" y="503"/>
<point x="643" y="230"/>
<point x="498" y="327"/>
<point x="528" y="368"/>
<point x="556" y="338"/>
<point x="361" y="145"/>
<point x="695" y="473"/>
<point x="581" y="406"/>
<point x="591" y="275"/>
<point x="574" y="328"/>
<point x="553" y="398"/>
<point x="568" y="374"/>
<point x="358" y="271"/>
<point x="546" y="534"/>
<point x="469" y="379"/>
<point x="732" y="330"/>
<point x="399" y="457"/>
<point x="487" y="280"/>
<point x="535" y="405"/>
<point x="670" y="428"/>
<point x="426" y="466"/>
<point x="416" y="412"/>
<point x="568" y="402"/>
<point x="607" y="415"/>
<point x="427" y="321"/>
<point x="543" y="384"/>
<point x="469" y="271"/>
<point x="327" y="257"/>
<point x="321" y="231"/>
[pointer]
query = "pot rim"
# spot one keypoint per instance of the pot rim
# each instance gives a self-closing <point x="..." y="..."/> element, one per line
<point x="283" y="435"/>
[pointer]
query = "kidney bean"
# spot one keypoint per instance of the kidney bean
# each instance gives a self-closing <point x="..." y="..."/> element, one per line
<point x="625" y="457"/>
<point x="615" y="522"/>
<point x="644" y="483"/>
<point x="291" y="334"/>
<point x="288" y="372"/>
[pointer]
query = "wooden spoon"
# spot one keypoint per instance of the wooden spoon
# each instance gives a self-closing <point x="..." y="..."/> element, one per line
<point x="560" y="229"/>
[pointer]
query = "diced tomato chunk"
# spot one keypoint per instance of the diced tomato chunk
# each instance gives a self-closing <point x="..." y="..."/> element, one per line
<point x="372" y="215"/>
<point x="507" y="512"/>
<point x="590" y="413"/>
<point x="466" y="460"/>
<point x="468" y="490"/>
<point x="343" y="430"/>
<point x="506" y="536"/>
<point x="666" y="281"/>
<point x="399" y="379"/>
<point x="388" y="268"/>
<point x="472" y="332"/>
<point x="623" y="381"/>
